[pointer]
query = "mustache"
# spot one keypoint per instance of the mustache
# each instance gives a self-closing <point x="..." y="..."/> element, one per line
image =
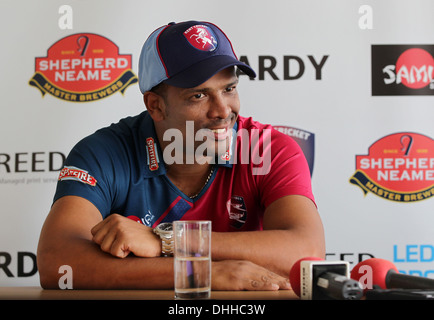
<point x="221" y="122"/>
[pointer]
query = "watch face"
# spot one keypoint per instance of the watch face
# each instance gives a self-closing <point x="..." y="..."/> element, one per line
<point x="165" y="226"/>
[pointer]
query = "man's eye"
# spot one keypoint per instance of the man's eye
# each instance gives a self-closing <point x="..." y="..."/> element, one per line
<point x="198" y="95"/>
<point x="229" y="89"/>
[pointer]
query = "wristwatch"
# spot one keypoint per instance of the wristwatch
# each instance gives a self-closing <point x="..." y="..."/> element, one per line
<point x="165" y="232"/>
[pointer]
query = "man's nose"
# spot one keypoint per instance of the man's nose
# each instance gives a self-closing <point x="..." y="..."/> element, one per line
<point x="220" y="108"/>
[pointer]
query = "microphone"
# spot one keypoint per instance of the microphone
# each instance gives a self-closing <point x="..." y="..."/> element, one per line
<point x="313" y="278"/>
<point x="384" y="274"/>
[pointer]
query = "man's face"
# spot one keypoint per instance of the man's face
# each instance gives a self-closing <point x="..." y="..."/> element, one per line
<point x="212" y="107"/>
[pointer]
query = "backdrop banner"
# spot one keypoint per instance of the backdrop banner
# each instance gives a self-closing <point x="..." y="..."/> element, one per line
<point x="350" y="81"/>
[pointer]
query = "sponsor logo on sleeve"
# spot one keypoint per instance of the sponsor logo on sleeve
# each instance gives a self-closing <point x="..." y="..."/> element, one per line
<point x="76" y="174"/>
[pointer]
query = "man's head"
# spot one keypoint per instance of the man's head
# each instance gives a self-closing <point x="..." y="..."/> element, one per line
<point x="187" y="76"/>
<point x="185" y="55"/>
<point x="191" y="116"/>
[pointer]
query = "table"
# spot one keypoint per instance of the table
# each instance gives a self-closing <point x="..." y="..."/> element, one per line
<point x="37" y="293"/>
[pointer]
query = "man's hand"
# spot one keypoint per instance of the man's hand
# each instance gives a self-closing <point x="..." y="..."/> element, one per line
<point x="245" y="275"/>
<point x="121" y="236"/>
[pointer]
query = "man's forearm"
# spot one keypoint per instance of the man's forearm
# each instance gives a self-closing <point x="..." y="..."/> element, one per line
<point x="95" y="269"/>
<point x="276" y="250"/>
<point x="66" y="239"/>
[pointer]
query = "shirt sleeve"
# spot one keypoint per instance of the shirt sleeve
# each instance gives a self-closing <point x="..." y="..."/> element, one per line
<point x="285" y="170"/>
<point x="88" y="172"/>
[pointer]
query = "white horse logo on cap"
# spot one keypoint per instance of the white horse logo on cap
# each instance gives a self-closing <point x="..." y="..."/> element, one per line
<point x="201" y="38"/>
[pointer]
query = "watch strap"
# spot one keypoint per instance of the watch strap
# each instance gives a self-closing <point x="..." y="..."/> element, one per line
<point x="166" y="243"/>
<point x="166" y="246"/>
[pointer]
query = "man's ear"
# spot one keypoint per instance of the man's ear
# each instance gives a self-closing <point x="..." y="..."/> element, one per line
<point x="155" y="105"/>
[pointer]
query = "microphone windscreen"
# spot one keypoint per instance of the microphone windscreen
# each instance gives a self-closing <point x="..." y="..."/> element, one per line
<point x="294" y="274"/>
<point x="375" y="267"/>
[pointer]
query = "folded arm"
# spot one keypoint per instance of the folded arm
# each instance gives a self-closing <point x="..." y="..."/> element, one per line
<point x="66" y="239"/>
<point x="119" y="253"/>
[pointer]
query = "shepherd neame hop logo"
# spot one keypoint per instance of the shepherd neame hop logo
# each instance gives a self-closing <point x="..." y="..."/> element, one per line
<point x="398" y="167"/>
<point x="402" y="70"/>
<point x="83" y="67"/>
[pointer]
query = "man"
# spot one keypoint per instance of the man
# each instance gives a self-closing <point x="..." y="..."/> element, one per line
<point x="189" y="156"/>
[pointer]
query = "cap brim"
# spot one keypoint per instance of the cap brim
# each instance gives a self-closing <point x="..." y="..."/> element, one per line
<point x="205" y="69"/>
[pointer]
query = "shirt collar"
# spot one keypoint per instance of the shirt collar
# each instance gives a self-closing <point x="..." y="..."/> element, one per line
<point x="228" y="159"/>
<point x="154" y="164"/>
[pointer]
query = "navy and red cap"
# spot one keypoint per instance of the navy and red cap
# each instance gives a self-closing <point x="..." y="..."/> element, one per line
<point x="185" y="55"/>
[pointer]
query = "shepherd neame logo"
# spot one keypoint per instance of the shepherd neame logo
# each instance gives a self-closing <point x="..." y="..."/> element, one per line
<point x="402" y="70"/>
<point x="83" y="67"/>
<point x="399" y="167"/>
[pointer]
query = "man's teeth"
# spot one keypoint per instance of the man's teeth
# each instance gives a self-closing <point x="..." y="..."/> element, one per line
<point x="219" y="130"/>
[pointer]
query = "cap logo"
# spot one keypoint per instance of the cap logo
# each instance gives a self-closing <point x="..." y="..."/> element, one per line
<point x="201" y="37"/>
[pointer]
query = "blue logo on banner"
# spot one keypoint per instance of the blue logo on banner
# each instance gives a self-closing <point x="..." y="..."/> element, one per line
<point x="305" y="139"/>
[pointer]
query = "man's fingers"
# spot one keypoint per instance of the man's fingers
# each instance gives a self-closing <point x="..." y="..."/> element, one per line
<point x="271" y="281"/>
<point x="105" y="242"/>
<point x="282" y="282"/>
<point x="245" y="275"/>
<point x="121" y="236"/>
<point x="119" y="249"/>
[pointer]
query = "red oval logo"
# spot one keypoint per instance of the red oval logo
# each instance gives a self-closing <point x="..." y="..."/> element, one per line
<point x="201" y="37"/>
